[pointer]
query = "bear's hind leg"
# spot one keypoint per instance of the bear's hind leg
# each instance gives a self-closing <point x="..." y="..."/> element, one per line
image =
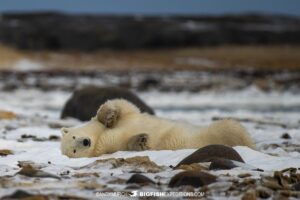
<point x="138" y="142"/>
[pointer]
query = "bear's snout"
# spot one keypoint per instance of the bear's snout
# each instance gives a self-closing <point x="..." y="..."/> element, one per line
<point x="86" y="142"/>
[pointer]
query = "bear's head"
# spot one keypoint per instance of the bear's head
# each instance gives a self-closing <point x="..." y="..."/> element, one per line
<point x="81" y="141"/>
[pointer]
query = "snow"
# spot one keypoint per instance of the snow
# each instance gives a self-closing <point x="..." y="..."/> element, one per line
<point x="267" y="162"/>
<point x="37" y="110"/>
<point x="27" y="65"/>
<point x="44" y="152"/>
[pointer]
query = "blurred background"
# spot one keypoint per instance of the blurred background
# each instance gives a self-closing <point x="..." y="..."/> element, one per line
<point x="141" y="35"/>
<point x="187" y="60"/>
<point x="166" y="46"/>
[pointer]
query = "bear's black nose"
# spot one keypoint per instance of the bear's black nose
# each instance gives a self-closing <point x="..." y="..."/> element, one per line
<point x="86" y="142"/>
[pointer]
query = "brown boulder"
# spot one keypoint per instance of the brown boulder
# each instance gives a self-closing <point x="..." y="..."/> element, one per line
<point x="140" y="179"/>
<point x="193" y="178"/>
<point x="207" y="153"/>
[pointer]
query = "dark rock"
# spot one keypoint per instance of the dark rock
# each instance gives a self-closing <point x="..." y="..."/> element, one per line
<point x="193" y="178"/>
<point x="84" y="103"/>
<point x="245" y="175"/>
<point x="54" y="137"/>
<point x="18" y="194"/>
<point x="140" y="179"/>
<point x="148" y="83"/>
<point x="207" y="153"/>
<point x="21" y="194"/>
<point x="285" y="136"/>
<point x="263" y="193"/>
<point x="220" y="163"/>
<point x="25" y="136"/>
<point x="296" y="186"/>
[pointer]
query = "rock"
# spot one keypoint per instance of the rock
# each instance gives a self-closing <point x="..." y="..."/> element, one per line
<point x="140" y="179"/>
<point x="249" y="195"/>
<point x="31" y="171"/>
<point x="285" y="136"/>
<point x="272" y="184"/>
<point x="279" y="181"/>
<point x="81" y="175"/>
<point x="282" y="179"/>
<point x="7" y="115"/>
<point x="136" y="164"/>
<point x="263" y="192"/>
<point x="54" y="137"/>
<point x="244" y="175"/>
<point x="5" y="152"/>
<point x="262" y="84"/>
<point x="148" y="83"/>
<point x="220" y="163"/>
<point x="85" y="102"/>
<point x="207" y="153"/>
<point x="296" y="186"/>
<point x="21" y="194"/>
<point x="25" y="136"/>
<point x="193" y="178"/>
<point x="18" y="194"/>
<point x="194" y="166"/>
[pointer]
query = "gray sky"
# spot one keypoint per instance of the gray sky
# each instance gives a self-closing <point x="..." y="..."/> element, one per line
<point x="290" y="7"/>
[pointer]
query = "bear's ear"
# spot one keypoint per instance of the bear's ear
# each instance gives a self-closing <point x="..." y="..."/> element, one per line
<point x="64" y="131"/>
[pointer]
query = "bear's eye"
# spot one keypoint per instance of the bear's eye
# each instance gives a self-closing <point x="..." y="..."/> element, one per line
<point x="74" y="137"/>
<point x="74" y="151"/>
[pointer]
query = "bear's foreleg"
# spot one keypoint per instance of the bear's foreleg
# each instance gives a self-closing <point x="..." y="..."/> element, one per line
<point x="112" y="111"/>
<point x="108" y="115"/>
<point x="138" y="142"/>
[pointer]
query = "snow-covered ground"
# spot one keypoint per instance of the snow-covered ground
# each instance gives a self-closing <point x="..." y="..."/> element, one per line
<point x="267" y="116"/>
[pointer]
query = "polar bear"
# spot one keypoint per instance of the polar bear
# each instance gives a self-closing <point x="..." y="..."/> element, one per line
<point x="120" y="126"/>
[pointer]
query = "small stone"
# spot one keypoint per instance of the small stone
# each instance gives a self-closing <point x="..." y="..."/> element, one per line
<point x="148" y="83"/>
<point x="18" y="194"/>
<point x="251" y="195"/>
<point x="25" y="136"/>
<point x="7" y="115"/>
<point x="192" y="178"/>
<point x="262" y="84"/>
<point x="54" y="137"/>
<point x="81" y="175"/>
<point x="245" y="175"/>
<point x="249" y="181"/>
<point x="31" y="171"/>
<point x="272" y="184"/>
<point x="263" y="193"/>
<point x="285" y="136"/>
<point x="140" y="179"/>
<point x="5" y="152"/>
<point x="296" y="186"/>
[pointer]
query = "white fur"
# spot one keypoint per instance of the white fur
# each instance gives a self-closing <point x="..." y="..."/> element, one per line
<point x="163" y="133"/>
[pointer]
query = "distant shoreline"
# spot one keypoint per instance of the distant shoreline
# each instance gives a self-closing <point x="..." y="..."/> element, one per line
<point x="58" y="31"/>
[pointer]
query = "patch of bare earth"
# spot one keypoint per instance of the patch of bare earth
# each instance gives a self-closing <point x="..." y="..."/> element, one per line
<point x="209" y="58"/>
